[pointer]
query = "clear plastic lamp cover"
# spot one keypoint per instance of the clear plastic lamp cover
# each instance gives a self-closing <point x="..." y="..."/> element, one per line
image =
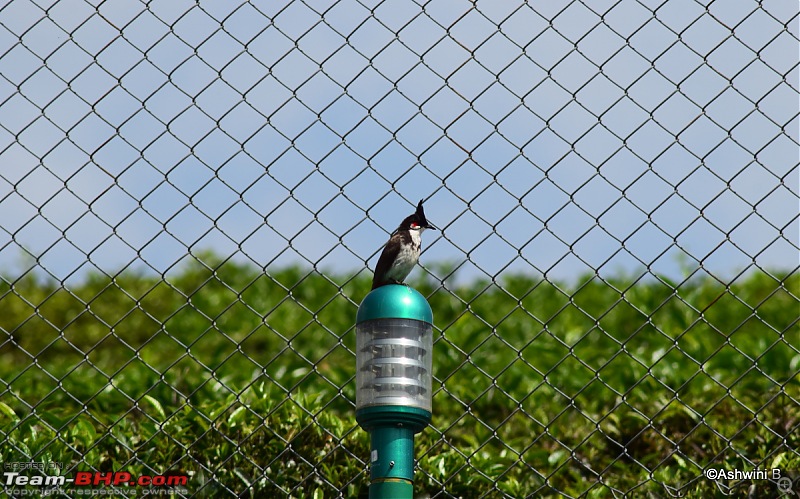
<point x="393" y="358"/>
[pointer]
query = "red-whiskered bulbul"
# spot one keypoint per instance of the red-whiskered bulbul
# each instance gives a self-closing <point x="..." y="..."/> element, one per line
<point x="402" y="250"/>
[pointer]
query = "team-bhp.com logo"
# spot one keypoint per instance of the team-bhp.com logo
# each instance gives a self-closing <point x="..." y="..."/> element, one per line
<point x="123" y="478"/>
<point x="121" y="483"/>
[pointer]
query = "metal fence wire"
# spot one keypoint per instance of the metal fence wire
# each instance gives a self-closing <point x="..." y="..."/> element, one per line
<point x="575" y="156"/>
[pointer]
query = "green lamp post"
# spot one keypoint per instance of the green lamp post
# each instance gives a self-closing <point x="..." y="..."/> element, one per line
<point x="394" y="340"/>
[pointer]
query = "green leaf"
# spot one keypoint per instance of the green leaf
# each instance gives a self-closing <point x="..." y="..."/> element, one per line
<point x="9" y="412"/>
<point x="156" y="405"/>
<point x="237" y="416"/>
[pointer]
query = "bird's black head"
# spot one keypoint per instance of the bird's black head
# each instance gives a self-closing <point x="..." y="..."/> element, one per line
<point x="417" y="221"/>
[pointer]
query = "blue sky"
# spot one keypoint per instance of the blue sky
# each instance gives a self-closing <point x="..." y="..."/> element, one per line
<point x="554" y="138"/>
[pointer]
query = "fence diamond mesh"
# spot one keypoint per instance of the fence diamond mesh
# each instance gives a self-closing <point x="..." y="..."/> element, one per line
<point x="192" y="195"/>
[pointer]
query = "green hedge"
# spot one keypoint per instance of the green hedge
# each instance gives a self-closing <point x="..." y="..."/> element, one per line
<point x="244" y="380"/>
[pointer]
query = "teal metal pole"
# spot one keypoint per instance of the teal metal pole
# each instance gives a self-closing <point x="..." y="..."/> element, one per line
<point x="391" y="430"/>
<point x="392" y="467"/>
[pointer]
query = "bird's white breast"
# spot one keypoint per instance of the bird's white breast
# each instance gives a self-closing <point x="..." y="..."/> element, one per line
<point x="407" y="257"/>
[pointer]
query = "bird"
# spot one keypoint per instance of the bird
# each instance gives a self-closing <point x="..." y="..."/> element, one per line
<point x="401" y="251"/>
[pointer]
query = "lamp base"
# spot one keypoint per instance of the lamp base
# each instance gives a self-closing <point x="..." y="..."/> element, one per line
<point x="391" y="430"/>
<point x="403" y="416"/>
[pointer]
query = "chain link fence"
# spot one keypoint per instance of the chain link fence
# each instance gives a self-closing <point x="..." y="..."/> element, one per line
<point x="614" y="284"/>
